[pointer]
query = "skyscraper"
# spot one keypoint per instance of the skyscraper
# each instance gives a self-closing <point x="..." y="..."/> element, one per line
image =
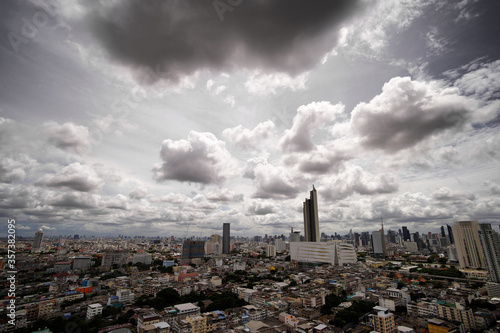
<point x="469" y="250"/>
<point x="442" y="232"/>
<point x="490" y="242"/>
<point x="226" y="237"/>
<point x="311" y="221"/>
<point x="37" y="242"/>
<point x="406" y="234"/>
<point x="450" y="234"/>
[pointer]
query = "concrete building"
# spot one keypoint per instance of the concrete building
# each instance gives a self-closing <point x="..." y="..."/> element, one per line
<point x="226" y="238"/>
<point x="378" y="244"/>
<point x="143" y="258"/>
<point x="334" y="253"/>
<point x="311" y="220"/>
<point x="37" y="242"/>
<point x="490" y="242"/>
<point x="192" y="249"/>
<point x="93" y="310"/>
<point x="468" y="244"/>
<point x="82" y="262"/>
<point x="294" y="236"/>
<point x="383" y="321"/>
<point x="125" y="295"/>
<point x="270" y="250"/>
<point x="115" y="257"/>
<point x="280" y="245"/>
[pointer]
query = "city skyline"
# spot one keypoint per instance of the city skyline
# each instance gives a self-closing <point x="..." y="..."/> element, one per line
<point x="111" y="121"/>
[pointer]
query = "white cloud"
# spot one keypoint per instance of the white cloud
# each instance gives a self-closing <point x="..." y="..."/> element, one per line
<point x="245" y="138"/>
<point x="202" y="158"/>
<point x="263" y="84"/>
<point x="69" y="136"/>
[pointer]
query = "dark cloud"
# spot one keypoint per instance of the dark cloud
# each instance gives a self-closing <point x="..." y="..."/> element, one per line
<point x="202" y="158"/>
<point x="407" y="112"/>
<point x="180" y="37"/>
<point x="75" y="200"/>
<point x="259" y="207"/>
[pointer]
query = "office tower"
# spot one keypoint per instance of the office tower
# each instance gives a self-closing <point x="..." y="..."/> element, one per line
<point x="311" y="223"/>
<point x="450" y="234"/>
<point x="226" y="238"/>
<point x="37" y="242"/>
<point x="406" y="234"/>
<point x="442" y="232"/>
<point x="468" y="244"/>
<point x="378" y="243"/>
<point x="490" y="242"/>
<point x="365" y="238"/>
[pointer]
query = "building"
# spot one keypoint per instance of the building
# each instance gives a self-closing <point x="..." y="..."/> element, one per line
<point x="333" y="253"/>
<point x="378" y="243"/>
<point x="280" y="245"/>
<point x="37" y="242"/>
<point x="490" y="242"/>
<point x="406" y="234"/>
<point x="93" y="310"/>
<point x="115" y="257"/>
<point x="192" y="249"/>
<point x="125" y="295"/>
<point x="311" y="220"/>
<point x="186" y="310"/>
<point x="468" y="244"/>
<point x="143" y="258"/>
<point x="215" y="238"/>
<point x="198" y="324"/>
<point x="82" y="262"/>
<point x="383" y="321"/>
<point x="294" y="236"/>
<point x="270" y="250"/>
<point x="226" y="238"/>
<point x="436" y="325"/>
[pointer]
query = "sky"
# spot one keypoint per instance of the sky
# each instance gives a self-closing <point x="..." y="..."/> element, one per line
<point x="163" y="118"/>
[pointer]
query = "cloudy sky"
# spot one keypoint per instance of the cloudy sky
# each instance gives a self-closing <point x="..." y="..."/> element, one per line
<point x="173" y="117"/>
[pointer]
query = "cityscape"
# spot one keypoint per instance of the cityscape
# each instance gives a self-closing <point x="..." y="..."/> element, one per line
<point x="249" y="166"/>
<point x="383" y="281"/>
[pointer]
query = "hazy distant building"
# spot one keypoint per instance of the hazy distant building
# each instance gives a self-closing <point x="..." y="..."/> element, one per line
<point x="226" y="238"/>
<point x="270" y="250"/>
<point x="406" y="234"/>
<point x="378" y="243"/>
<point x="143" y="258"/>
<point x="280" y="245"/>
<point x="82" y="262"/>
<point x="294" y="236"/>
<point x="490" y="242"/>
<point x="215" y="238"/>
<point x="311" y="221"/>
<point x="37" y="242"/>
<point x="468" y="244"/>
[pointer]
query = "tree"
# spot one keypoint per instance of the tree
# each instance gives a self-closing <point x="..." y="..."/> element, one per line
<point x="170" y="295"/>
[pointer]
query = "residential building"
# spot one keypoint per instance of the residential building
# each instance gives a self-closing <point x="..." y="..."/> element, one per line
<point x="468" y="244"/>
<point x="311" y="220"/>
<point x="93" y="310"/>
<point x="490" y="242"/>
<point x="383" y="321"/>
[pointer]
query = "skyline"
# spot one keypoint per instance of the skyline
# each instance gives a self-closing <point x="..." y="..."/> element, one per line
<point x="169" y="118"/>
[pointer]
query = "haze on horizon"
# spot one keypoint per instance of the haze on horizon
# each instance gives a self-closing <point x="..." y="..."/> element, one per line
<point x="162" y="117"/>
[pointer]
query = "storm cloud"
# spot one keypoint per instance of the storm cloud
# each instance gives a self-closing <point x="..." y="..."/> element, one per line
<point x="170" y="39"/>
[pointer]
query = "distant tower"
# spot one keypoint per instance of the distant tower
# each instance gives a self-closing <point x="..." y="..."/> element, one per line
<point x="406" y="234"/>
<point x="468" y="244"/>
<point x="450" y="234"/>
<point x="442" y="232"/>
<point x="226" y="237"/>
<point x="37" y="242"/>
<point x="311" y="221"/>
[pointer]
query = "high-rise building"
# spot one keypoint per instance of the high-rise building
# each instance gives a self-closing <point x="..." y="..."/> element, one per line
<point x="490" y="242"/>
<point x="442" y="232"/>
<point x="215" y="238"/>
<point x="468" y="244"/>
<point x="226" y="238"/>
<point x="378" y="243"/>
<point x="37" y="242"/>
<point x="406" y="234"/>
<point x="294" y="236"/>
<point x="311" y="221"/>
<point x="450" y="234"/>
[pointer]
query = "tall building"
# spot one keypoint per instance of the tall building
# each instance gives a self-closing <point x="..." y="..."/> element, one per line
<point x="450" y="234"/>
<point x="406" y="234"/>
<point x="215" y="238"/>
<point x="490" y="242"/>
<point x="294" y="236"/>
<point x="378" y="243"/>
<point x="469" y="250"/>
<point x="226" y="237"/>
<point x="442" y="232"/>
<point x="383" y="321"/>
<point x="37" y="242"/>
<point x="311" y="221"/>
